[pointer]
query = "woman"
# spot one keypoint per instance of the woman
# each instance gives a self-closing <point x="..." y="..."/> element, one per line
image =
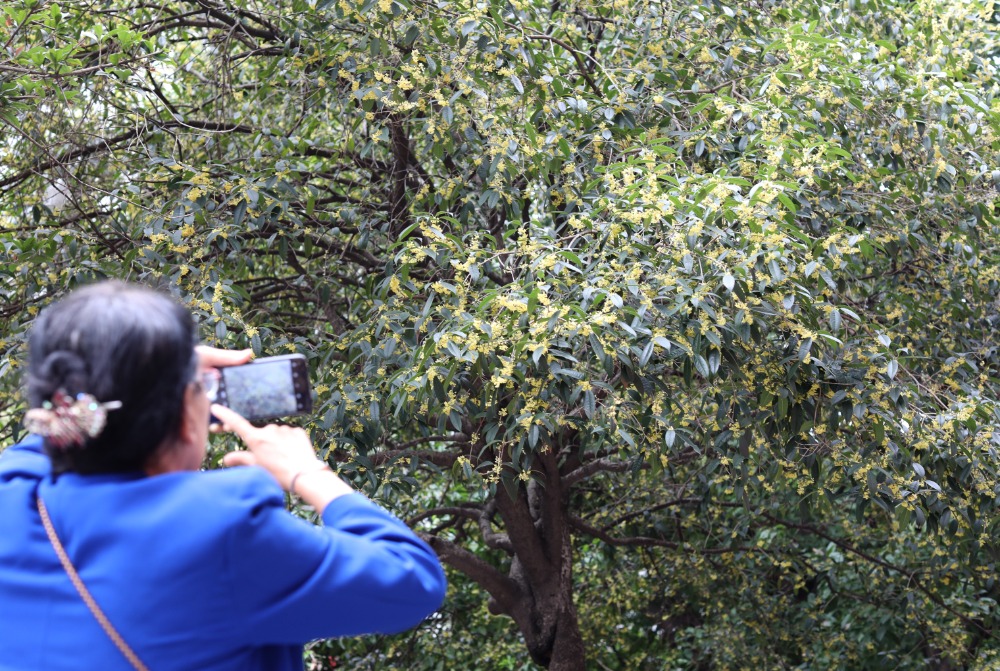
<point x="188" y="569"/>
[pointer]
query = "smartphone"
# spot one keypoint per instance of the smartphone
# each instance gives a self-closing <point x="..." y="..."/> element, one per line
<point x="270" y="387"/>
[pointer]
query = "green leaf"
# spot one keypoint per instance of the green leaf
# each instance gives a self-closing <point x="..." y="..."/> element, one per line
<point x="804" y="349"/>
<point x="589" y="403"/>
<point x="714" y="359"/>
<point x="647" y="352"/>
<point x="835" y="320"/>
<point x="701" y="365"/>
<point x="239" y="212"/>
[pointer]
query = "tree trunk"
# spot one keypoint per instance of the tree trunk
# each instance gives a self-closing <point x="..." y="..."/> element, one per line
<point x="537" y="524"/>
<point x="536" y="589"/>
<point x="567" y="651"/>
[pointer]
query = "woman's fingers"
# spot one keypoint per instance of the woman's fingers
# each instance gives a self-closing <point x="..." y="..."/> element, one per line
<point x="282" y="450"/>
<point x="233" y="421"/>
<point x="213" y="357"/>
<point x="239" y="459"/>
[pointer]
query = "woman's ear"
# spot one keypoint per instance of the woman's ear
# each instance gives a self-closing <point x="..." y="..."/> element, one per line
<point x="187" y="432"/>
<point x="186" y="451"/>
<point x="195" y="419"/>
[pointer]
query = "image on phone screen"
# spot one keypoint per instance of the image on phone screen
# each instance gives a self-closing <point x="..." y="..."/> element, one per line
<point x="263" y="390"/>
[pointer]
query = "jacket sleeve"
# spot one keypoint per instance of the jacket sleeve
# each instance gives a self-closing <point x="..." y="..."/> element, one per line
<point x="364" y="571"/>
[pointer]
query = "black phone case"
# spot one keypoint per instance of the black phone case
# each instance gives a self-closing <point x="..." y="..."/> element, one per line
<point x="297" y="369"/>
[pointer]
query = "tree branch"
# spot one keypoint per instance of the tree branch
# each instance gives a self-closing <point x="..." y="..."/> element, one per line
<point x="646" y="541"/>
<point x="109" y="144"/>
<point x="504" y="590"/>
<point x="594" y="467"/>
<point x="497" y="541"/>
<point x="215" y="12"/>
<point x="472" y="513"/>
<point x="909" y="575"/>
<point x="440" y="459"/>
<point x="576" y="56"/>
<point x="451" y="437"/>
<point x="524" y="537"/>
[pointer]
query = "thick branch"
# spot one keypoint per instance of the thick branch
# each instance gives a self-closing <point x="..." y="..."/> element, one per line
<point x="401" y="161"/>
<point x="551" y="504"/>
<point x="497" y="541"/>
<point x="242" y="27"/>
<point x="593" y="467"/>
<point x="480" y="514"/>
<point x="523" y="535"/>
<point x="504" y="590"/>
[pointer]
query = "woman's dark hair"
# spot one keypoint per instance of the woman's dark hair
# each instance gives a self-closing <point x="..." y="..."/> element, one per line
<point x="118" y="342"/>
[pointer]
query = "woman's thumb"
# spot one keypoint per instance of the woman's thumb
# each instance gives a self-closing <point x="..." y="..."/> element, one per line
<point x="241" y="458"/>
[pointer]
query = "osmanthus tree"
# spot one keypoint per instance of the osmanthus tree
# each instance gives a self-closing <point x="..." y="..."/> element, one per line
<point x="670" y="325"/>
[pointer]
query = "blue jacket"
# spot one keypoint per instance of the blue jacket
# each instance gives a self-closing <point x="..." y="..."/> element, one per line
<point x="201" y="570"/>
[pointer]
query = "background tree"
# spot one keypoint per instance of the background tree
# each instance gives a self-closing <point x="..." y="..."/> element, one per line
<point x="671" y="325"/>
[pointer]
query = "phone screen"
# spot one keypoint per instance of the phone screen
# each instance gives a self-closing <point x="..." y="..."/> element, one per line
<point x="265" y="389"/>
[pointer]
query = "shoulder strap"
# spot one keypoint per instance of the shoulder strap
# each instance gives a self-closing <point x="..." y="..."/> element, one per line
<point x="85" y="593"/>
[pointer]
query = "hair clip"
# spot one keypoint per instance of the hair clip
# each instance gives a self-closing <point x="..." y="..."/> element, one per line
<point x="67" y="422"/>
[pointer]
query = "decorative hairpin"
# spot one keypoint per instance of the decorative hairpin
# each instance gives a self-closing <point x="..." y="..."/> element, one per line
<point x="67" y="422"/>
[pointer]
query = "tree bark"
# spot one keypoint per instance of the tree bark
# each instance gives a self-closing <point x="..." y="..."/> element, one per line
<point x="537" y="524"/>
<point x="536" y="587"/>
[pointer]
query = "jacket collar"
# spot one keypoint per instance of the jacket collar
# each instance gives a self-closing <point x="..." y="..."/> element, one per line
<point x="24" y="460"/>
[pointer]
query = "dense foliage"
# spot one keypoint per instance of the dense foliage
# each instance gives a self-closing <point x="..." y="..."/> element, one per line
<point x="670" y="324"/>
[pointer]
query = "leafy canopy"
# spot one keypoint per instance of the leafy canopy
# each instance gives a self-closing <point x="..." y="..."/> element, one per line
<point x="719" y="282"/>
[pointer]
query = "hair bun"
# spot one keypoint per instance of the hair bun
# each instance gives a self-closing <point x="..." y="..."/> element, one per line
<point x="61" y="370"/>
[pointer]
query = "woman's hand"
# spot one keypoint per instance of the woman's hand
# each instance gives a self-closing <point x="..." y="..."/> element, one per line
<point x="286" y="453"/>
<point x="213" y="357"/>
<point x="282" y="450"/>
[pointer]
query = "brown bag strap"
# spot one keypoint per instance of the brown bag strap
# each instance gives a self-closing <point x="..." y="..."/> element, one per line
<point x="85" y="593"/>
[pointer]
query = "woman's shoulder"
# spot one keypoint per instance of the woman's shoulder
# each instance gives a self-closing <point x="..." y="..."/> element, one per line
<point x="238" y="487"/>
<point x="25" y="459"/>
<point x="201" y="504"/>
